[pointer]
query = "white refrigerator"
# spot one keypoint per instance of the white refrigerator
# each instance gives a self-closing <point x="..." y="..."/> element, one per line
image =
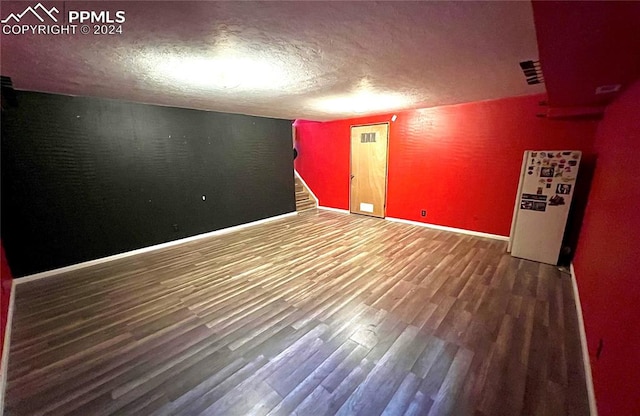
<point x="547" y="184"/>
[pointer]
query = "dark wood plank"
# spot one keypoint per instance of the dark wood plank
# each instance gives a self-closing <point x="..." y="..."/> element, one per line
<point x="321" y="313"/>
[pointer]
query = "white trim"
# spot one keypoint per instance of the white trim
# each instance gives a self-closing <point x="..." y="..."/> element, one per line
<point x="5" y="347"/>
<point x="307" y="187"/>
<point x="583" y="342"/>
<point x="89" y="263"/>
<point x="341" y="211"/>
<point x="451" y="229"/>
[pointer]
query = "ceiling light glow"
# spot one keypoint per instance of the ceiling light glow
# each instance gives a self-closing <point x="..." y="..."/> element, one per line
<point x="361" y="102"/>
<point x="223" y="72"/>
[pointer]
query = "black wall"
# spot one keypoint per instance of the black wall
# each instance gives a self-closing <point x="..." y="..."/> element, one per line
<point x="84" y="178"/>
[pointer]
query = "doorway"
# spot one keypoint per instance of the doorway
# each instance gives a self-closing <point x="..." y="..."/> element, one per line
<point x="369" y="146"/>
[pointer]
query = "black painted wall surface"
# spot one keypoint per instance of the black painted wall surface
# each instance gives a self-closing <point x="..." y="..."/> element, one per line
<point x="84" y="178"/>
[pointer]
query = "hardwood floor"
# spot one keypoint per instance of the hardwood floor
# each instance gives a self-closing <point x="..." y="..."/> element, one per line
<point x="322" y="313"/>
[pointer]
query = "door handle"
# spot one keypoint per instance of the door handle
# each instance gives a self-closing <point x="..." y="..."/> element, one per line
<point x="352" y="176"/>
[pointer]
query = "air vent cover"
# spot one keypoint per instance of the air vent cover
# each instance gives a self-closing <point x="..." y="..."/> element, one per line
<point x="6" y="82"/>
<point x="532" y="71"/>
<point x="368" y="137"/>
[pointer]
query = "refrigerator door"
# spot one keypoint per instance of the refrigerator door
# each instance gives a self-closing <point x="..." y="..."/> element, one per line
<point x="546" y="188"/>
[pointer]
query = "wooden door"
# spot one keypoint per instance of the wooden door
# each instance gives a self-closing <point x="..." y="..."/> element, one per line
<point x="369" y="169"/>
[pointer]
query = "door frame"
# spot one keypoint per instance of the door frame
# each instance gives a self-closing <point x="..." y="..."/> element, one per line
<point x="386" y="165"/>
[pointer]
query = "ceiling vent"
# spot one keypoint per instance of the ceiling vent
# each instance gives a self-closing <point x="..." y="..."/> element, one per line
<point x="606" y="89"/>
<point x="532" y="71"/>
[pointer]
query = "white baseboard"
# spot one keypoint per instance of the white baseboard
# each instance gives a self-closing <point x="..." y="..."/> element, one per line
<point x="451" y="229"/>
<point x="5" y="347"/>
<point x="89" y="263"/>
<point x="341" y="211"/>
<point x="307" y="187"/>
<point x="583" y="342"/>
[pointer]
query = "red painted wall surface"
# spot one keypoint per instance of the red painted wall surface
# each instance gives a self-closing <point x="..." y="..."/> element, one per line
<point x="583" y="45"/>
<point x="5" y="293"/>
<point x="461" y="163"/>
<point x="323" y="160"/>
<point x="607" y="261"/>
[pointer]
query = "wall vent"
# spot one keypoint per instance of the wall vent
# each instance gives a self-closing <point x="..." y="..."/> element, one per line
<point x="6" y="82"/>
<point x="532" y="72"/>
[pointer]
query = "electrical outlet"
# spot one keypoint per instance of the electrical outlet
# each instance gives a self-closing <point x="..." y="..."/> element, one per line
<point x="423" y="213"/>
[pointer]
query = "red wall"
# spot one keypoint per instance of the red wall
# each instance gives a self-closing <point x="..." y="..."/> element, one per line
<point x="607" y="261"/>
<point x="323" y="160"/>
<point x="461" y="163"/>
<point x="5" y="293"/>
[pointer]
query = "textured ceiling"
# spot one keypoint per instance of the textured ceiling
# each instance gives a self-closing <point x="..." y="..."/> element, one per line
<point x="313" y="60"/>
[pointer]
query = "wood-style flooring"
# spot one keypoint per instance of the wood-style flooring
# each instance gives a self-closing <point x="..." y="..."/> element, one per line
<point x="321" y="313"/>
